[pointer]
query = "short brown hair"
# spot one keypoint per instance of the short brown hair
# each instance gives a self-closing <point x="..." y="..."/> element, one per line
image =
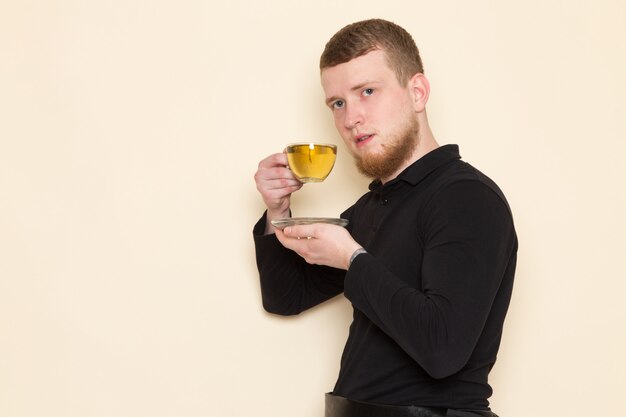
<point x="359" y="38"/>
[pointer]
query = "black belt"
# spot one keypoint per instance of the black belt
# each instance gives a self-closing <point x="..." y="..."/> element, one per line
<point x="342" y="407"/>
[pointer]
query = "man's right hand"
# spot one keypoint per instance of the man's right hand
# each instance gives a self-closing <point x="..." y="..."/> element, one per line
<point x="276" y="182"/>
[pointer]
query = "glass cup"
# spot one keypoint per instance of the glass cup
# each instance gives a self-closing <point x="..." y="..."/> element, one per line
<point x="311" y="162"/>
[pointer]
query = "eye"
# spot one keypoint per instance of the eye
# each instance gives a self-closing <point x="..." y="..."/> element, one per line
<point x="368" y="92"/>
<point x="337" y="104"/>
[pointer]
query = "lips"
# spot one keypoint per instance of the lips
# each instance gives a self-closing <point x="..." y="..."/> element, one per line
<point x="362" y="138"/>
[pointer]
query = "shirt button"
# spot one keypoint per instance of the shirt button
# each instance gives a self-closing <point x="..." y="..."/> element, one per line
<point x="384" y="202"/>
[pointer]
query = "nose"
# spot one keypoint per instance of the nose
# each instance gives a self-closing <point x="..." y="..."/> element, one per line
<point x="354" y="115"/>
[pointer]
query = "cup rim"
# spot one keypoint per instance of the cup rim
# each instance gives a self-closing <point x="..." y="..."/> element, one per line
<point x="311" y="143"/>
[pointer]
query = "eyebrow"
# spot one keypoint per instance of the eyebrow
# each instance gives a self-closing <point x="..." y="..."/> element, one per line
<point x="359" y="86"/>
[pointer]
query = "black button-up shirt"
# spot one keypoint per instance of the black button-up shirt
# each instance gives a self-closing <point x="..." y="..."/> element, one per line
<point x="429" y="297"/>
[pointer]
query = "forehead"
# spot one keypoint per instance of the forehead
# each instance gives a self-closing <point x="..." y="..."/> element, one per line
<point x="371" y="67"/>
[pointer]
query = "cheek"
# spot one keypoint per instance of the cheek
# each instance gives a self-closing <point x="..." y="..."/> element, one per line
<point x="345" y="136"/>
<point x="337" y="120"/>
<point x="383" y="110"/>
<point x="339" y="123"/>
<point x="344" y="132"/>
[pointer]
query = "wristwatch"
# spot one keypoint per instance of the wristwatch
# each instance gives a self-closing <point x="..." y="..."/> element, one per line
<point x="355" y="254"/>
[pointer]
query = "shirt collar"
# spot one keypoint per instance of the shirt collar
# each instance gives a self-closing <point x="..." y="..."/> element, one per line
<point x="420" y="169"/>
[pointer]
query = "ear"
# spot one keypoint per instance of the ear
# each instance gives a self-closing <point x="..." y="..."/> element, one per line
<point x="419" y="88"/>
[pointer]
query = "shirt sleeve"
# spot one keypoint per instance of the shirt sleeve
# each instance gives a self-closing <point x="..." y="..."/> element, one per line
<point x="289" y="285"/>
<point x="469" y="240"/>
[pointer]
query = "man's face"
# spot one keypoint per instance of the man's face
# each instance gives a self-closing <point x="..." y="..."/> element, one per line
<point x="373" y="113"/>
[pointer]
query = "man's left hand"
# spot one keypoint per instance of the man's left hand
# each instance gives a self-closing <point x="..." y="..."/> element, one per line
<point x="320" y="244"/>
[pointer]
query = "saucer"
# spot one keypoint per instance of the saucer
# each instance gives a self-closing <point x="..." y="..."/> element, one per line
<point x="293" y="221"/>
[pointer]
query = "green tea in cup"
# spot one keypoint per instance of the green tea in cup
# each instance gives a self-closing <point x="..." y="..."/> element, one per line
<point x="311" y="162"/>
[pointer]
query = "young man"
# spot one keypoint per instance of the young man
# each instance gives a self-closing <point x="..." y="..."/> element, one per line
<point x="427" y="259"/>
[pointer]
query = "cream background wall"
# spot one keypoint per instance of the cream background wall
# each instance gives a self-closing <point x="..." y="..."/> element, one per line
<point x="129" y="135"/>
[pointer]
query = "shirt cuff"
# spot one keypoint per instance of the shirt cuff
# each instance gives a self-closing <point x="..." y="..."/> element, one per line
<point x="357" y="272"/>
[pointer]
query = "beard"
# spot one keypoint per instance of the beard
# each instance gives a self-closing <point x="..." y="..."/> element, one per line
<point x="395" y="153"/>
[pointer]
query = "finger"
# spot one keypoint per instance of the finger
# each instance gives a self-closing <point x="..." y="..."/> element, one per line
<point x="277" y="193"/>
<point x="288" y="242"/>
<point x="272" y="167"/>
<point x="273" y="179"/>
<point x="283" y="176"/>
<point x="278" y="183"/>
<point x="300" y="232"/>
<point x="272" y="172"/>
<point x="274" y="160"/>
